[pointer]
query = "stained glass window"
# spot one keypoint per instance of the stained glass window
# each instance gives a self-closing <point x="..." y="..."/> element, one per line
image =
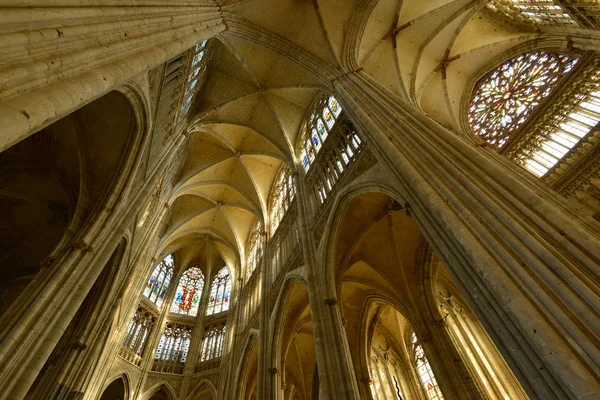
<point x="255" y="250"/>
<point x="504" y="99"/>
<point x="157" y="285"/>
<point x="174" y="344"/>
<point x="543" y="12"/>
<point x="316" y="132"/>
<point x="212" y="343"/>
<point x="219" y="292"/>
<point x="424" y="371"/>
<point x="189" y="291"/>
<point x="197" y="68"/>
<point x="384" y="374"/>
<point x="138" y="331"/>
<point x="282" y="195"/>
<point x="572" y="120"/>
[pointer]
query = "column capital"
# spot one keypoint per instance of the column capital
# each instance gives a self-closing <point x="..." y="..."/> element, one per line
<point x="83" y="246"/>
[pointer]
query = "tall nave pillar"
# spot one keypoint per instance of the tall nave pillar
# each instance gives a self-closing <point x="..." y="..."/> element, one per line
<point x="526" y="264"/>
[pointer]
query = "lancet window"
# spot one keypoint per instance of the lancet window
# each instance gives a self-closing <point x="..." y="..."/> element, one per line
<point x="424" y="371"/>
<point x="195" y="78"/>
<point x="173" y="347"/>
<point x="138" y="331"/>
<point x="282" y="195"/>
<point x="212" y="343"/>
<point x="318" y="128"/>
<point x="157" y="285"/>
<point x="385" y="368"/>
<point x="504" y="99"/>
<point x="255" y="250"/>
<point x="219" y="292"/>
<point x="189" y="292"/>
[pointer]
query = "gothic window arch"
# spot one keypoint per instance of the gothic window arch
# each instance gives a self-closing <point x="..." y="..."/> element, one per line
<point x="424" y="371"/>
<point x="220" y="292"/>
<point x="504" y="99"/>
<point x="172" y="349"/>
<point x="505" y="107"/>
<point x="157" y="285"/>
<point x="212" y="342"/>
<point x="385" y="370"/>
<point x="195" y="78"/>
<point x="189" y="292"/>
<point x="329" y="145"/>
<point x="282" y="195"/>
<point x="136" y="336"/>
<point x="255" y="250"/>
<point x="318" y="126"/>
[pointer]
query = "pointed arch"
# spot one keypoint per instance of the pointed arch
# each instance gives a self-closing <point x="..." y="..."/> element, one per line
<point x="204" y="383"/>
<point x="122" y="376"/>
<point x="163" y="386"/>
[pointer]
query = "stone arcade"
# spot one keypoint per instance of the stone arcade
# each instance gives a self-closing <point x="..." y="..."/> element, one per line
<point x="299" y="200"/>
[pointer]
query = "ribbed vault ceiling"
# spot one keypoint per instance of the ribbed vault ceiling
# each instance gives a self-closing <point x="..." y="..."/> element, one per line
<point x="252" y="105"/>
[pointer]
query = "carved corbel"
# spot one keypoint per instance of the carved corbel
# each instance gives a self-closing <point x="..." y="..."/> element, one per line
<point x="83" y="246"/>
<point x="47" y="262"/>
<point x="407" y="208"/>
<point x="78" y="345"/>
<point x="331" y="302"/>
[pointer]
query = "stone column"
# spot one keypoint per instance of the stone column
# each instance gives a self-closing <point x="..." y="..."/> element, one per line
<point x="526" y="264"/>
<point x="336" y="372"/>
<point x="268" y="365"/>
<point x="59" y="55"/>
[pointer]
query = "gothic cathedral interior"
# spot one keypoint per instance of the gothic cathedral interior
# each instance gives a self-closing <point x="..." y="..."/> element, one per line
<point x="299" y="199"/>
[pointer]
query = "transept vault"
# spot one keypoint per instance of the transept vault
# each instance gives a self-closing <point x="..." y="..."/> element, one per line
<point x="299" y="200"/>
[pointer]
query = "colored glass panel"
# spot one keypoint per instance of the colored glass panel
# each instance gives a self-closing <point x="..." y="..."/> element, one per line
<point x="505" y="98"/>
<point x="157" y="285"/>
<point x="189" y="291"/>
<point x="219" y="292"/>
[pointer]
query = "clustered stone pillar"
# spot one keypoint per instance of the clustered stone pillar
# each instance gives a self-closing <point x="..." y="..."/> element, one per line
<point x="70" y="64"/>
<point x="527" y="266"/>
<point x="336" y="373"/>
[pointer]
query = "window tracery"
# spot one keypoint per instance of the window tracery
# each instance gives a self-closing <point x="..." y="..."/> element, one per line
<point x="157" y="285"/>
<point x="542" y="12"/>
<point x="385" y="367"/>
<point x="565" y="124"/>
<point x="424" y="371"/>
<point x="255" y="250"/>
<point x="282" y="195"/>
<point x="504" y="99"/>
<point x="219" y="292"/>
<point x="212" y="343"/>
<point x="189" y="291"/>
<point x="195" y="78"/>
<point x="173" y="347"/>
<point x="139" y="329"/>
<point x="316" y="132"/>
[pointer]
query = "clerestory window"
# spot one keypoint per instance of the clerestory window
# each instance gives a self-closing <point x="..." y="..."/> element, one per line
<point x="157" y="285"/>
<point x="189" y="292"/>
<point x="282" y="195"/>
<point x="255" y="250"/>
<point x="219" y="292"/>
<point x="506" y="110"/>
<point x="212" y="343"/>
